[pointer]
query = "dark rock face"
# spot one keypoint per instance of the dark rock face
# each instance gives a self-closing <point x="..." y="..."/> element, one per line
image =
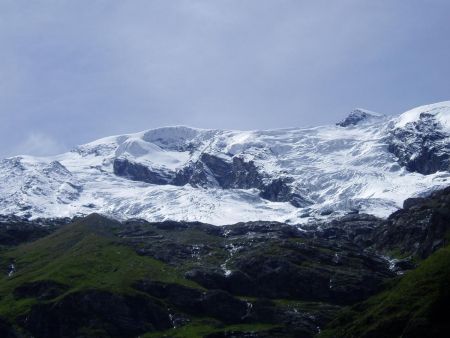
<point x="356" y="228"/>
<point x="14" y="234"/>
<point x="355" y="117"/>
<point x="286" y="278"/>
<point x="235" y="175"/>
<point x="108" y="314"/>
<point x="213" y="171"/>
<point x="194" y="174"/>
<point x="228" y="309"/>
<point x="15" y="230"/>
<point x="269" y="259"/>
<point x="137" y="172"/>
<point x="216" y="303"/>
<point x="42" y="290"/>
<point x="182" y="297"/>
<point x="275" y="260"/>
<point x="420" y="229"/>
<point x="421" y="146"/>
<point x="281" y="190"/>
<point x="222" y="305"/>
<point x="6" y="329"/>
<point x="413" y="201"/>
<point x="208" y="171"/>
<point x="266" y="230"/>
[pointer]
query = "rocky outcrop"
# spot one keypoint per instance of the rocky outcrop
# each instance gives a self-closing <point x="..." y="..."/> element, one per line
<point x="138" y="172"/>
<point x="214" y="171"/>
<point x="421" y="146"/>
<point x="302" y="272"/>
<point x="7" y="330"/>
<point x="358" y="229"/>
<point x="237" y="174"/>
<point x="267" y="259"/>
<point x="15" y="230"/>
<point x="357" y="116"/>
<point x="419" y="229"/>
<point x="195" y="174"/>
<point x="229" y="309"/>
<point x="94" y="312"/>
<point x="282" y="190"/>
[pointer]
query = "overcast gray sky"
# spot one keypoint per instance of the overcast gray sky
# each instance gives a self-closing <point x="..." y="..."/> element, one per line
<point x="74" y="71"/>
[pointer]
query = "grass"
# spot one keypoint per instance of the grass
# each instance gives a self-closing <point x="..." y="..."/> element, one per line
<point x="200" y="328"/>
<point x="82" y="256"/>
<point x="398" y="254"/>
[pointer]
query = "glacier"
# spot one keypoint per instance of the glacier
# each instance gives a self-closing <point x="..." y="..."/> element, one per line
<point x="295" y="175"/>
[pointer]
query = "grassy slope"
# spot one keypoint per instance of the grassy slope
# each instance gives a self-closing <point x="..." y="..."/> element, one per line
<point x="200" y="328"/>
<point x="84" y="256"/>
<point x="418" y="305"/>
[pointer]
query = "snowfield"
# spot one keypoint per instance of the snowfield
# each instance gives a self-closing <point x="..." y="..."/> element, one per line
<point x="335" y="169"/>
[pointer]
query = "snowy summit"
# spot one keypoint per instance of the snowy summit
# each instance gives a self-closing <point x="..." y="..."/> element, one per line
<point x="366" y="163"/>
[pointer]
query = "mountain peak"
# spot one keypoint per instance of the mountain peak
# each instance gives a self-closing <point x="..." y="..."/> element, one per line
<point x="226" y="176"/>
<point x="357" y="116"/>
<point x="440" y="111"/>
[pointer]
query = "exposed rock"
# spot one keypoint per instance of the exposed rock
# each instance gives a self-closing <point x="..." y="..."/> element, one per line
<point x="237" y="174"/>
<point x="216" y="303"/>
<point x="281" y="190"/>
<point x="195" y="174"/>
<point x="271" y="264"/>
<point x="356" y="228"/>
<point x="7" y="330"/>
<point x="16" y="230"/>
<point x="138" y="172"/>
<point x="105" y="313"/>
<point x="214" y="171"/>
<point x="356" y="117"/>
<point x="266" y="229"/>
<point x="421" y="146"/>
<point x="420" y="229"/>
<point x="14" y="234"/>
<point x="222" y="305"/>
<point x="413" y="202"/>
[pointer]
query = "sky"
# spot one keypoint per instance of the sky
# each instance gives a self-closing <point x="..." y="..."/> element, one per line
<point x="75" y="71"/>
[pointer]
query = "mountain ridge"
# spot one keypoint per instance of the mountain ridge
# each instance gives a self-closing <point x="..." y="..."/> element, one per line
<point x="293" y="175"/>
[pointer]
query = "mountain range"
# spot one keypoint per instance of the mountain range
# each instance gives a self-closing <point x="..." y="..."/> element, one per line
<point x="366" y="163"/>
<point x="329" y="232"/>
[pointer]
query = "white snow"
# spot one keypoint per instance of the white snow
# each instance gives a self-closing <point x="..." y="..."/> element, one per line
<point x="369" y="112"/>
<point x="12" y="270"/>
<point x="151" y="154"/>
<point x="440" y="110"/>
<point x="336" y="168"/>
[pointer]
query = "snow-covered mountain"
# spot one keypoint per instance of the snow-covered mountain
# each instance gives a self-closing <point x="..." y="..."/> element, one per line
<point x="366" y="163"/>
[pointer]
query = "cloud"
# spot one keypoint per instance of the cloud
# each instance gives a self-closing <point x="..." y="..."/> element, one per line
<point x="39" y="144"/>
